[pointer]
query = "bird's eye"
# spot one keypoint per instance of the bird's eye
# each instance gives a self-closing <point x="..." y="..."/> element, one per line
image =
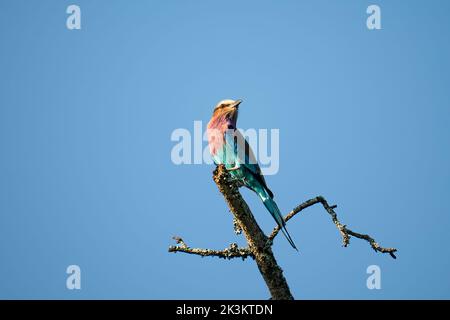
<point x="221" y="106"/>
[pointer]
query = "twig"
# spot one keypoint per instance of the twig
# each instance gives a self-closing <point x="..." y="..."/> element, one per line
<point x="343" y="230"/>
<point x="237" y="227"/>
<point x="233" y="251"/>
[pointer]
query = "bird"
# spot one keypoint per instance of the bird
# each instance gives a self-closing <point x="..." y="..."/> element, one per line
<point x="228" y="147"/>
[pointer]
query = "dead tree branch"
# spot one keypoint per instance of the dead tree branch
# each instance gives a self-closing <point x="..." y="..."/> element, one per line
<point x="343" y="230"/>
<point x="259" y="245"/>
<point x="233" y="251"/>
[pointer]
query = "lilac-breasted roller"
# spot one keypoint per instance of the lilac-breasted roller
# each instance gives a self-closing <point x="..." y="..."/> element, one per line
<point x="228" y="147"/>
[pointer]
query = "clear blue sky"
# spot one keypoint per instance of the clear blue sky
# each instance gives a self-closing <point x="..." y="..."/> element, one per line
<point x="86" y="117"/>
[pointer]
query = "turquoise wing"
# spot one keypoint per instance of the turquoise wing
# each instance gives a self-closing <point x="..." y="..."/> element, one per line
<point x="239" y="154"/>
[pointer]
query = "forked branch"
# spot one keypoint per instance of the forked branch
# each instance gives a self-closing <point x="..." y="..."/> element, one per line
<point x="343" y="230"/>
<point x="259" y="245"/>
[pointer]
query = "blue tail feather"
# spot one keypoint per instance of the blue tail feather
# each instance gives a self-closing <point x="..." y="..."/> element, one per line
<point x="272" y="207"/>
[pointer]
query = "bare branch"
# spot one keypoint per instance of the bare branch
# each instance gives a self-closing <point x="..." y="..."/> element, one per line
<point x="233" y="251"/>
<point x="259" y="245"/>
<point x="343" y="230"/>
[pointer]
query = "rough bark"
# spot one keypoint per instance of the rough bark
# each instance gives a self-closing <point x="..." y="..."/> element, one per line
<point x="259" y="245"/>
<point x="256" y="239"/>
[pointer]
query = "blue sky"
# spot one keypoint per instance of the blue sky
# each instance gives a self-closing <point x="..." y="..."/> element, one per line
<point x="86" y="117"/>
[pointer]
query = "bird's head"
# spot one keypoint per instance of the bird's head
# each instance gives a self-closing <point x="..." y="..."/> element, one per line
<point x="227" y="109"/>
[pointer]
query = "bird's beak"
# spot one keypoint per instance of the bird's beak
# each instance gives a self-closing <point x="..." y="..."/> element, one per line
<point x="237" y="103"/>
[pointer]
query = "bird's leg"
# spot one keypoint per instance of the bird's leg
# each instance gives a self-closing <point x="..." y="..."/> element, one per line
<point x="234" y="178"/>
<point x="236" y="167"/>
